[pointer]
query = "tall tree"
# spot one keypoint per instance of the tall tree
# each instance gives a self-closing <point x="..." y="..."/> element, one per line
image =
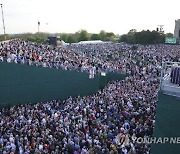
<point x="143" y="37"/>
<point x="123" y="38"/>
<point x="102" y="35"/>
<point x="95" y="37"/>
<point x="64" y="37"/>
<point x="83" y="36"/>
<point x="109" y="36"/>
<point x="169" y="35"/>
<point x="70" y="39"/>
<point x="131" y="36"/>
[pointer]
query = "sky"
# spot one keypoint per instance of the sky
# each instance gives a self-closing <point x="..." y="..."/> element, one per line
<point x="69" y="16"/>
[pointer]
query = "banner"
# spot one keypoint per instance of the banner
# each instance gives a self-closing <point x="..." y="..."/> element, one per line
<point x="170" y="40"/>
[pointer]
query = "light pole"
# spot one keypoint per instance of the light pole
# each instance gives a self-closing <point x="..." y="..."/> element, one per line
<point x="161" y="28"/>
<point x="38" y="26"/>
<point x="3" y="22"/>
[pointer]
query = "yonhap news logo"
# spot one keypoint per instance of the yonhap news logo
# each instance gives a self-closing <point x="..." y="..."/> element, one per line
<point x="123" y="139"/>
<point x="156" y="140"/>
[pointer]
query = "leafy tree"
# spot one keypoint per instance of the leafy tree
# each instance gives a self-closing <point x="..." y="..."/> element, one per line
<point x="148" y="37"/>
<point x="6" y="37"/>
<point x="37" y="39"/>
<point x="70" y="39"/>
<point x="95" y="37"/>
<point x="131" y="36"/>
<point x="110" y="36"/>
<point x="132" y="31"/>
<point x="83" y="36"/>
<point x="76" y="36"/>
<point x="102" y="35"/>
<point x="169" y="35"/>
<point x="123" y="38"/>
<point x="64" y="37"/>
<point x="143" y="37"/>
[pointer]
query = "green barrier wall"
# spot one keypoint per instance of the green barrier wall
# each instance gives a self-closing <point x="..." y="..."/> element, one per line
<point x="29" y="84"/>
<point x="167" y="125"/>
<point x="25" y="84"/>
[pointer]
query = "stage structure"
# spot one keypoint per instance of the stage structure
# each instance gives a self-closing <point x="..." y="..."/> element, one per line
<point x="170" y="78"/>
<point x="53" y="40"/>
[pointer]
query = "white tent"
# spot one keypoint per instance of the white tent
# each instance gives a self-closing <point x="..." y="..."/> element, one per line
<point x="91" y="42"/>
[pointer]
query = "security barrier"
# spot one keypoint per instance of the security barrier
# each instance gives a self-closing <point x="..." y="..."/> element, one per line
<point x="21" y="84"/>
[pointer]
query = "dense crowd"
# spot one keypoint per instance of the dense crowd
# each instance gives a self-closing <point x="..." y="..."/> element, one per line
<point x="89" y="124"/>
<point x="26" y="52"/>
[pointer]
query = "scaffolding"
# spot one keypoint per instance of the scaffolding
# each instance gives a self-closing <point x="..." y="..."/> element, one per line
<point x="166" y="86"/>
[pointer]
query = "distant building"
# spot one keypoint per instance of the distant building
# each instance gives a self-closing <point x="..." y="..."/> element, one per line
<point x="56" y="41"/>
<point x="177" y="29"/>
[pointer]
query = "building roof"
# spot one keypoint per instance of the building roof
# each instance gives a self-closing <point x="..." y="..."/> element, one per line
<point x="90" y="42"/>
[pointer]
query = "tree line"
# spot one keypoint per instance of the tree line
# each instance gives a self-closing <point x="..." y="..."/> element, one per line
<point x="132" y="37"/>
<point x="81" y="35"/>
<point x="144" y="37"/>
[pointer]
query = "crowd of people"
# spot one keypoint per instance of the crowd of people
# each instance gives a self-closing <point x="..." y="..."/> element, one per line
<point x="89" y="124"/>
<point x="69" y="58"/>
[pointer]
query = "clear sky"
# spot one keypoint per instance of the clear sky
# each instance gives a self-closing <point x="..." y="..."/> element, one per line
<point x="69" y="16"/>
